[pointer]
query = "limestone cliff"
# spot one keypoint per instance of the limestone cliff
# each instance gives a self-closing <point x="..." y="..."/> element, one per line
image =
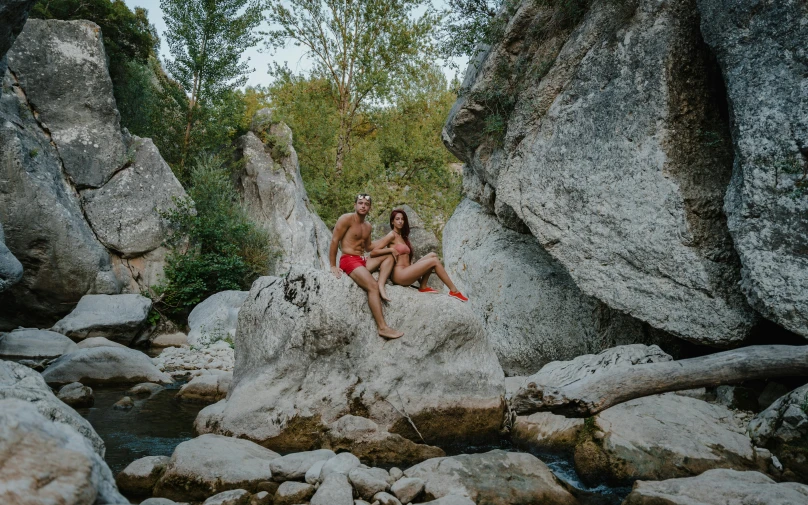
<point x="79" y="197"/>
<point x="606" y="136"/>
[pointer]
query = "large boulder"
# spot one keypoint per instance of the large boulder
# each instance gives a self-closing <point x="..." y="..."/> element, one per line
<point x="21" y="383"/>
<point x="614" y="153"/>
<point x="215" y="318"/>
<point x="62" y="67"/>
<point x="274" y="196"/>
<point x="30" y="343"/>
<point x="719" y="487"/>
<point x="492" y="478"/>
<point x="662" y="437"/>
<point x="308" y="354"/>
<point x="209" y="464"/>
<point x="119" y="318"/>
<point x="104" y="365"/>
<point x="559" y="373"/>
<point x="760" y="47"/>
<point x="43" y="221"/>
<point x="783" y="428"/>
<point x="49" y="462"/>
<point x="531" y="308"/>
<point x="125" y="212"/>
<point x="10" y="267"/>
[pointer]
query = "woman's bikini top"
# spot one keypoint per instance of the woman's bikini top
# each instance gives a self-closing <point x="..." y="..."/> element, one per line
<point x="401" y="248"/>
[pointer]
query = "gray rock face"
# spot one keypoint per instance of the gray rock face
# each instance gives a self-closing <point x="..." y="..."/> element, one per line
<point x="334" y="490"/>
<point x="721" y="486"/>
<point x="783" y="428"/>
<point x="662" y="437"/>
<point x="761" y="49"/>
<point x="407" y="489"/>
<point x="140" y="476"/>
<point x="21" y="383"/>
<point x="116" y="317"/>
<point x="294" y="466"/>
<point x="10" y="267"/>
<point x="292" y="493"/>
<point x="215" y="318"/>
<point x="31" y="343"/>
<point x="205" y="388"/>
<point x="616" y="158"/>
<point x="560" y="373"/>
<point x="364" y="439"/>
<point x="369" y="481"/>
<point x="275" y="198"/>
<point x="531" y="308"/>
<point x="13" y="13"/>
<point x="44" y="224"/>
<point x="75" y="473"/>
<point x="494" y="478"/>
<point x="309" y="354"/>
<point x="104" y="365"/>
<point x="546" y="432"/>
<point x="124" y="213"/>
<point x="91" y="342"/>
<point x="232" y="497"/>
<point x="209" y="464"/>
<point x="62" y="67"/>
<point x="76" y="395"/>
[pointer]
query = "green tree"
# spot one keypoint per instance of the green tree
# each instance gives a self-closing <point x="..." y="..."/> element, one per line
<point x="206" y="39"/>
<point x="364" y="49"/>
<point x="398" y="155"/>
<point x="215" y="246"/>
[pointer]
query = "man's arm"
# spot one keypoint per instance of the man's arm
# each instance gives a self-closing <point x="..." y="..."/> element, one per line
<point x="336" y="236"/>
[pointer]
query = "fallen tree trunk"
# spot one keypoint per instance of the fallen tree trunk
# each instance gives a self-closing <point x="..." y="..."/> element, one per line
<point x="599" y="391"/>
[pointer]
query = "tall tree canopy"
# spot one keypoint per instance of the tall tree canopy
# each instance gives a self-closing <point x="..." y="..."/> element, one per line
<point x="365" y="49"/>
<point x="206" y="38"/>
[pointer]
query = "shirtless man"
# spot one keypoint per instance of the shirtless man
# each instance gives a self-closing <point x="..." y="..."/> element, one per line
<point x="354" y="233"/>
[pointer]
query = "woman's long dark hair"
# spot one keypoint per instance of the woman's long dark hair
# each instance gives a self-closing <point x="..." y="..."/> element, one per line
<point x="405" y="230"/>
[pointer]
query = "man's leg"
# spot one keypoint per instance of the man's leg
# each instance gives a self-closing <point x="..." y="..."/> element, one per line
<point x="385" y="265"/>
<point x="362" y="277"/>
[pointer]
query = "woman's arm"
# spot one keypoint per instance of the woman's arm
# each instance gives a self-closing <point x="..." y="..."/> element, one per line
<point x="379" y="247"/>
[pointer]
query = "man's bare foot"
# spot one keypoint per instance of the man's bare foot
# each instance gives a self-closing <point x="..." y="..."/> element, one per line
<point x="383" y="294"/>
<point x="390" y="333"/>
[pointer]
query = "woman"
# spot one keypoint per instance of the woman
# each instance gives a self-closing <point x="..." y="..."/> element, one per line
<point x="397" y="243"/>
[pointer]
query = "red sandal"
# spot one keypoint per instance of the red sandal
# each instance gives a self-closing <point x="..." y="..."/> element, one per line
<point x="458" y="295"/>
<point x="427" y="289"/>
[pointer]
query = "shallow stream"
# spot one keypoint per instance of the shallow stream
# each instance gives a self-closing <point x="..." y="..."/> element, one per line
<point x="157" y="424"/>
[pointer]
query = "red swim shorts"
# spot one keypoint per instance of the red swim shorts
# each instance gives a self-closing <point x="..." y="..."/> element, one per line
<point x="348" y="263"/>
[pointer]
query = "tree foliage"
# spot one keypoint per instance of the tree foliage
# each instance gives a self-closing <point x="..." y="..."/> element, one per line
<point x="364" y="49"/>
<point x="398" y="155"/>
<point x="206" y="39"/>
<point x="215" y="247"/>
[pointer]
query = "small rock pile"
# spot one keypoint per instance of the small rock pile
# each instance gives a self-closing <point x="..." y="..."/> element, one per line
<point x="177" y="361"/>
<point x="219" y="470"/>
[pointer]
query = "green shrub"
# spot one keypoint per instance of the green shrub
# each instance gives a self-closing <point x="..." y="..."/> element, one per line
<point x="214" y="247"/>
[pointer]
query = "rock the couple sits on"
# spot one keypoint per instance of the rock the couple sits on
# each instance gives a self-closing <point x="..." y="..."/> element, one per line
<point x="390" y="255"/>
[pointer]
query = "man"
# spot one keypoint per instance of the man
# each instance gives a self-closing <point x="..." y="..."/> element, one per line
<point x="354" y="234"/>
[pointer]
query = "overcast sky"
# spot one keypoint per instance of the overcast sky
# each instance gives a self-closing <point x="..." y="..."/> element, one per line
<point x="259" y="61"/>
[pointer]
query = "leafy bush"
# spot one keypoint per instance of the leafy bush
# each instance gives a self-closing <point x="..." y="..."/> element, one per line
<point x="214" y="247"/>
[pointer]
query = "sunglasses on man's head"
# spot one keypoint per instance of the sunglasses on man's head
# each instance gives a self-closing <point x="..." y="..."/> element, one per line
<point x="363" y="196"/>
